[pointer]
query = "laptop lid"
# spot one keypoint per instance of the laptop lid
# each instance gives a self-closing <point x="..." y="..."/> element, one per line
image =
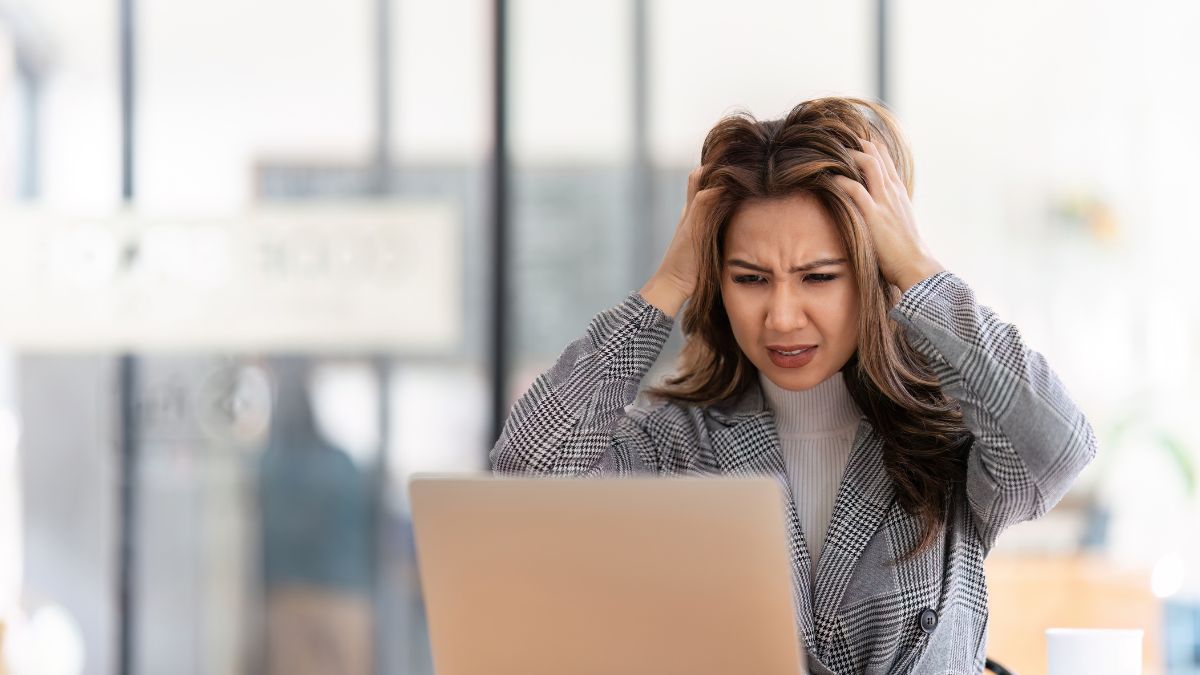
<point x="554" y="576"/>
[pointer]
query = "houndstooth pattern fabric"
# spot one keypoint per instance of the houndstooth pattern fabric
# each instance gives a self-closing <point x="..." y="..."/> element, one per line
<point x="584" y="417"/>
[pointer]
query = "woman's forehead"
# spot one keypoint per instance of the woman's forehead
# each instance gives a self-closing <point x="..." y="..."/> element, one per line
<point x="792" y="229"/>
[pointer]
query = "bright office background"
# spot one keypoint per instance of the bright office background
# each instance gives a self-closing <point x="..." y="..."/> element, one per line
<point x="311" y="211"/>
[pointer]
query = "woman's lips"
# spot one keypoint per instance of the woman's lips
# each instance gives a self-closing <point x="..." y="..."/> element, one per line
<point x="792" y="360"/>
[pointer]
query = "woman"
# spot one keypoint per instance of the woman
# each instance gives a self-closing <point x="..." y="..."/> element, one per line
<point x="827" y="347"/>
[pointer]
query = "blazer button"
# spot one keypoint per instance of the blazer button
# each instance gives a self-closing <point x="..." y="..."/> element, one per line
<point x="929" y="619"/>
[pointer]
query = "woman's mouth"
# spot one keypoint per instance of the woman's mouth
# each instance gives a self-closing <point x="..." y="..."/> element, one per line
<point x="793" y="357"/>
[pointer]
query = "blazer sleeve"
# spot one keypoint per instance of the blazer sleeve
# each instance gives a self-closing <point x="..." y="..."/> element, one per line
<point x="572" y="420"/>
<point x="1030" y="439"/>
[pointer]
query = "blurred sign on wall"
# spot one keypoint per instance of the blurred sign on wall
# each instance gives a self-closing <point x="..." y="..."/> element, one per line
<point x="318" y="277"/>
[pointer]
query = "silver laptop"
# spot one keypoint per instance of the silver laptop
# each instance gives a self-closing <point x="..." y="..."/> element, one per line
<point x="629" y="576"/>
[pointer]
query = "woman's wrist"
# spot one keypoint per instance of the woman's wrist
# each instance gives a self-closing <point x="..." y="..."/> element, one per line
<point x="918" y="272"/>
<point x="664" y="295"/>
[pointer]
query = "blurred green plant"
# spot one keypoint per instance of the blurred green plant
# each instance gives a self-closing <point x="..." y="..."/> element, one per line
<point x="1174" y="447"/>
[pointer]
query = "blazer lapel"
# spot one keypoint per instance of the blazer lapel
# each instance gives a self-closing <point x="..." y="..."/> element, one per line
<point x="864" y="497"/>
<point x="749" y="445"/>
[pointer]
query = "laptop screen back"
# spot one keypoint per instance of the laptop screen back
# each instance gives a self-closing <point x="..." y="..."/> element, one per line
<point x="551" y="576"/>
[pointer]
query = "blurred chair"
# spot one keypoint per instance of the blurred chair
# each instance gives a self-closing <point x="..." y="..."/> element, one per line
<point x="317" y="550"/>
<point x="997" y="668"/>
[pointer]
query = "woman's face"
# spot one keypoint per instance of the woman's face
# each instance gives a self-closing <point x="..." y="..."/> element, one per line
<point x="787" y="285"/>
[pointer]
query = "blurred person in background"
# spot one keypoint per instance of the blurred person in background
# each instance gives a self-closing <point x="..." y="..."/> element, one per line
<point x="316" y="528"/>
<point x="906" y="423"/>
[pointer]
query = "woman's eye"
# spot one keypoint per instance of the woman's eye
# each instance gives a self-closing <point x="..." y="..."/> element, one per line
<point x="755" y="279"/>
<point x="818" y="278"/>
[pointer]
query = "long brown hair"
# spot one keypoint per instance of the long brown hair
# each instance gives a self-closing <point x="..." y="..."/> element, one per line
<point x="924" y="439"/>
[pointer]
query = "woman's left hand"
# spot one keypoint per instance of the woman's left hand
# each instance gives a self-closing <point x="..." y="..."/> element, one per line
<point x="903" y="257"/>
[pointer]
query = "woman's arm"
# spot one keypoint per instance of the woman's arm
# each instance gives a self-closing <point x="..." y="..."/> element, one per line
<point x="1031" y="440"/>
<point x="572" y="419"/>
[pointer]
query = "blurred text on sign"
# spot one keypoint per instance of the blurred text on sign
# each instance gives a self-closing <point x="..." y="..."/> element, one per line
<point x="324" y="277"/>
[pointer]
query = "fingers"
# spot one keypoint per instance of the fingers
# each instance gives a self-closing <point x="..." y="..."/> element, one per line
<point x="878" y="183"/>
<point x="880" y="150"/>
<point x="693" y="182"/>
<point x="857" y="192"/>
<point x="707" y="194"/>
<point x="882" y="176"/>
<point x="699" y="206"/>
<point x="693" y="185"/>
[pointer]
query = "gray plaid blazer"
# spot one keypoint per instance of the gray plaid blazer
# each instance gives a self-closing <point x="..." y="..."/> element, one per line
<point x="584" y="417"/>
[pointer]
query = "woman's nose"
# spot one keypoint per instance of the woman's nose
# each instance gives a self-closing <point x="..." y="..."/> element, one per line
<point x="786" y="312"/>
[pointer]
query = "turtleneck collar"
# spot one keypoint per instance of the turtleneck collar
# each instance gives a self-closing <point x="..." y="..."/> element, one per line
<point x="825" y="408"/>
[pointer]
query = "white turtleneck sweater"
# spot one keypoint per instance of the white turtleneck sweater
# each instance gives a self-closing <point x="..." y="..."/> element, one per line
<point x="816" y="431"/>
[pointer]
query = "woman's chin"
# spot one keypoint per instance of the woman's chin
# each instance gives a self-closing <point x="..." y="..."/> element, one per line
<point x="791" y="380"/>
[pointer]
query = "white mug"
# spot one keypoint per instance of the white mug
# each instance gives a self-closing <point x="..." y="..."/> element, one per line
<point x="1094" y="651"/>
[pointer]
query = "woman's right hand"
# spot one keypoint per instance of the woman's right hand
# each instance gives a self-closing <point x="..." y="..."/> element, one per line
<point x="676" y="277"/>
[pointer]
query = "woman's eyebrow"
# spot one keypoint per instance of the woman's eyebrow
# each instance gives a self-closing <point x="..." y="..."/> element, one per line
<point x="820" y="262"/>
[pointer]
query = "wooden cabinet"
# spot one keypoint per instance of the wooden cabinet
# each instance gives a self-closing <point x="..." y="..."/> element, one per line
<point x="1029" y="594"/>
